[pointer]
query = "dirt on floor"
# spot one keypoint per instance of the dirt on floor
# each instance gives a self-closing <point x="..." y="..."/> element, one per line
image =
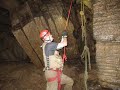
<point x="25" y="76"/>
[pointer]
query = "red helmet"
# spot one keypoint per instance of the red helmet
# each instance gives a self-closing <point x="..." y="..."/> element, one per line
<point x="44" y="33"/>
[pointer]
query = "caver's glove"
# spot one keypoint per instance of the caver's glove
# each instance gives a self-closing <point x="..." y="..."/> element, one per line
<point x="64" y="34"/>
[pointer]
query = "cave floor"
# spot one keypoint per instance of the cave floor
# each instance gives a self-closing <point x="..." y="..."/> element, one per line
<point x="25" y="76"/>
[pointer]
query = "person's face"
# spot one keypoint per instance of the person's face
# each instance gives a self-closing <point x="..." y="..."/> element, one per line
<point x="51" y="37"/>
<point x="48" y="37"/>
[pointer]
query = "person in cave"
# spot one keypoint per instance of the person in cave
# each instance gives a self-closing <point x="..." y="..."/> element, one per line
<point x="53" y="62"/>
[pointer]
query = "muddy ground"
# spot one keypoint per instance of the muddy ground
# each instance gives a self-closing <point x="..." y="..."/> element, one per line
<point x="25" y="76"/>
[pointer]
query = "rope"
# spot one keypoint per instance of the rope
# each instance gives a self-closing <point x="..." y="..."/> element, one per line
<point x="86" y="53"/>
<point x="64" y="53"/>
<point x="68" y="14"/>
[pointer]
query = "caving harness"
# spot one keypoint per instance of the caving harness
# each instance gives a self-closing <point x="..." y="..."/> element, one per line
<point x="55" y="64"/>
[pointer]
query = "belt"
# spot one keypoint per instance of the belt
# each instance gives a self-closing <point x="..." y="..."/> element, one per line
<point x="46" y="68"/>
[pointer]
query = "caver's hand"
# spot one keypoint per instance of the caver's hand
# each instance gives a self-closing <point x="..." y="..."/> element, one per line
<point x="64" y="34"/>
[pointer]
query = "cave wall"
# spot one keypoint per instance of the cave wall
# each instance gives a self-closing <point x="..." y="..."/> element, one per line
<point x="10" y="49"/>
<point x="106" y="28"/>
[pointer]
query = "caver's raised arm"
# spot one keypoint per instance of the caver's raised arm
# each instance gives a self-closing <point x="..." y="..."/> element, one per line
<point x="63" y="42"/>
